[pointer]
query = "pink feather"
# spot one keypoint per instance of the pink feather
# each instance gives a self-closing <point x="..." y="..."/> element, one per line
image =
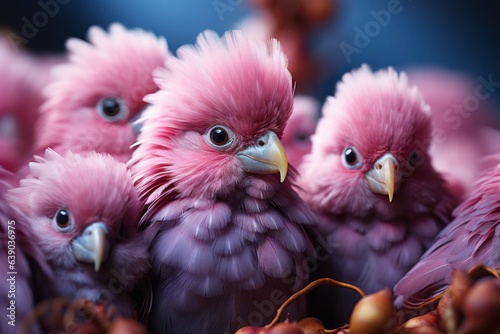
<point x="300" y="128"/>
<point x="471" y="239"/>
<point x="464" y="133"/>
<point x="222" y="239"/>
<point x="117" y="64"/>
<point x="92" y="188"/>
<point x="374" y="242"/>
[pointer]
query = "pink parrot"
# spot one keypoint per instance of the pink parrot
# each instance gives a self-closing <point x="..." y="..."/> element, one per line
<point x="464" y="132"/>
<point x="227" y="232"/>
<point x="370" y="181"/>
<point x="20" y="98"/>
<point x="24" y="274"/>
<point x="471" y="239"/>
<point x="97" y="95"/>
<point x="84" y="212"/>
<point x="299" y="129"/>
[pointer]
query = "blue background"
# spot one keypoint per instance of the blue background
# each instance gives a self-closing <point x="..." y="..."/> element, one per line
<point x="460" y="35"/>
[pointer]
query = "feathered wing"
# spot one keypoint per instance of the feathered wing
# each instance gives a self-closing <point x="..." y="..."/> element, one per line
<point x="240" y="249"/>
<point x="22" y="262"/>
<point x="469" y="240"/>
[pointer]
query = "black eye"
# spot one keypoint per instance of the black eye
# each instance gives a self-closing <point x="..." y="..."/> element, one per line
<point x="351" y="158"/>
<point x="63" y="220"/>
<point x="415" y="159"/>
<point x="122" y="230"/>
<point x="220" y="136"/>
<point x="301" y="137"/>
<point x="112" y="108"/>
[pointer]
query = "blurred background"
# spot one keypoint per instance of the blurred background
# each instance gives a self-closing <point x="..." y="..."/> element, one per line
<point x="462" y="36"/>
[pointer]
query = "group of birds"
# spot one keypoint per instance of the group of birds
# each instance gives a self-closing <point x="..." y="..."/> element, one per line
<point x="160" y="182"/>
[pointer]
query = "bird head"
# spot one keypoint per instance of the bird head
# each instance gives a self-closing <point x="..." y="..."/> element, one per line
<point x="218" y="117"/>
<point x="300" y="128"/>
<point x="97" y="95"/>
<point x="370" y="147"/>
<point x="83" y="208"/>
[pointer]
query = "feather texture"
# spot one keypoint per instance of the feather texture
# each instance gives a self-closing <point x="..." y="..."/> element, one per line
<point x="374" y="242"/>
<point x="470" y="239"/>
<point x="222" y="239"/>
<point x="89" y="188"/>
<point x="96" y="96"/>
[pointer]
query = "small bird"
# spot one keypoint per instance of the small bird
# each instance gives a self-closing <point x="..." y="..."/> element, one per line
<point x="227" y="231"/>
<point x="370" y="181"/>
<point x="471" y="238"/>
<point x="299" y="129"/>
<point x="465" y="125"/>
<point x="97" y="95"/>
<point x="20" y="98"/>
<point x="84" y="210"/>
<point x="24" y="272"/>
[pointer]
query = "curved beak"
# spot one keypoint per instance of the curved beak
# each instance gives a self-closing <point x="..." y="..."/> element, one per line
<point x="92" y="246"/>
<point x="382" y="178"/>
<point x="267" y="156"/>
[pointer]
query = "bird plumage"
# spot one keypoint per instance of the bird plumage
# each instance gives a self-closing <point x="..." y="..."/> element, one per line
<point x="226" y="235"/>
<point x="62" y="197"/>
<point x="95" y="97"/>
<point x="472" y="238"/>
<point x="372" y="141"/>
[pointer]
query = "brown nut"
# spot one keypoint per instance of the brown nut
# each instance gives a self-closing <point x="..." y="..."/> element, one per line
<point x="374" y="314"/>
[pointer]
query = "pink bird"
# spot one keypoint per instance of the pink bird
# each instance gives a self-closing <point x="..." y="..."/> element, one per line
<point x="371" y="183"/>
<point x="299" y="129"/>
<point x="227" y="231"/>
<point x="25" y="275"/>
<point x="471" y="239"/>
<point x="84" y="211"/>
<point x="464" y="132"/>
<point x="20" y="98"/>
<point x="96" y="96"/>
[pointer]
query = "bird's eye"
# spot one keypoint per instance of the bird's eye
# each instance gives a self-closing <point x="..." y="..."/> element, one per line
<point x="351" y="158"/>
<point x="220" y="137"/>
<point x="415" y="159"/>
<point x="112" y="108"/>
<point x="301" y="137"/>
<point x="122" y="230"/>
<point x="63" y="220"/>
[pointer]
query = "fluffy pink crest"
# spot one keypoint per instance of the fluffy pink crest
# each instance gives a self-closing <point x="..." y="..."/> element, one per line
<point x="118" y="63"/>
<point x="231" y="81"/>
<point x="375" y="112"/>
<point x="92" y="186"/>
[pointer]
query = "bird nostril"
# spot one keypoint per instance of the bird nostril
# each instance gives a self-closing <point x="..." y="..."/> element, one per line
<point x="260" y="142"/>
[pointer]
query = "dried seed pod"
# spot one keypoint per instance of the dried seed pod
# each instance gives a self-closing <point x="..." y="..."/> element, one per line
<point x="374" y="314"/>
<point x="427" y="323"/>
<point x="311" y="326"/>
<point x="482" y="308"/>
<point x="286" y="328"/>
<point x="127" y="326"/>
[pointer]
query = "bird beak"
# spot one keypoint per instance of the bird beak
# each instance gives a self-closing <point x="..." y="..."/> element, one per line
<point x="382" y="178"/>
<point x="92" y="246"/>
<point x="267" y="156"/>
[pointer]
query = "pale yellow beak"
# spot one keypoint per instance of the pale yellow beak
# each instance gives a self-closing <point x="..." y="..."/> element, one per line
<point x="383" y="177"/>
<point x="266" y="156"/>
<point x="92" y="246"/>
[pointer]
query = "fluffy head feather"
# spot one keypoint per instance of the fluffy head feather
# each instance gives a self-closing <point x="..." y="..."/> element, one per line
<point x="300" y="128"/>
<point x="20" y="98"/>
<point x="376" y="113"/>
<point x="117" y="64"/>
<point x="92" y="188"/>
<point x="230" y="81"/>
